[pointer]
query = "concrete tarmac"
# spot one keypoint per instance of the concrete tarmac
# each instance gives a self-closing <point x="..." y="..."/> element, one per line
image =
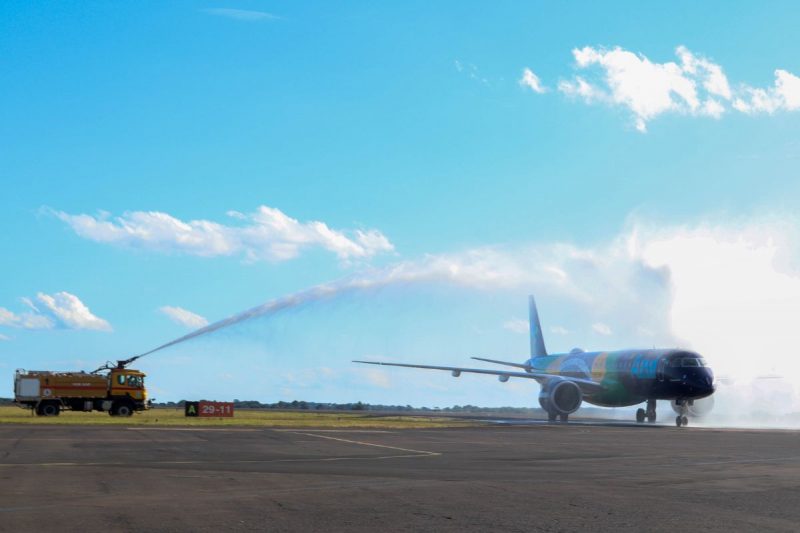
<point x="497" y="478"/>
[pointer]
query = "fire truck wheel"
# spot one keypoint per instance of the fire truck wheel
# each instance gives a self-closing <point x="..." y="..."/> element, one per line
<point x="123" y="409"/>
<point x="49" y="409"/>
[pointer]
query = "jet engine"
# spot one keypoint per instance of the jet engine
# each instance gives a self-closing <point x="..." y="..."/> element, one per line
<point x="560" y="397"/>
<point x="697" y="408"/>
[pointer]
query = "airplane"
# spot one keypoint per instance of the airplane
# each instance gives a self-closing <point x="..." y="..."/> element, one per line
<point x="619" y="378"/>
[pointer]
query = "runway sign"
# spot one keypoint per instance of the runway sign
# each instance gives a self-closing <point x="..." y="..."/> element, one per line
<point x="215" y="409"/>
<point x="208" y="409"/>
<point x="191" y="408"/>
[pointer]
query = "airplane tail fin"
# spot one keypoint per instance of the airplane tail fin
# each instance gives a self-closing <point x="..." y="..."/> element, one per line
<point x="537" y="341"/>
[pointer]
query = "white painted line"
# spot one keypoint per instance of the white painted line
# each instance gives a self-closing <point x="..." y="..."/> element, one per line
<point x="361" y="443"/>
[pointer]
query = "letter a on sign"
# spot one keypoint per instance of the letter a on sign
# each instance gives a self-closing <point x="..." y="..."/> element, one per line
<point x="191" y="409"/>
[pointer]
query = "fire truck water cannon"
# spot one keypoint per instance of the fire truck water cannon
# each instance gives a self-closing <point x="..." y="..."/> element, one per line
<point x="113" y="388"/>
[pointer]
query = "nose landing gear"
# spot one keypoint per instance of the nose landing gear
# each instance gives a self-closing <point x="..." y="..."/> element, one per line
<point x="649" y="414"/>
<point x="683" y="407"/>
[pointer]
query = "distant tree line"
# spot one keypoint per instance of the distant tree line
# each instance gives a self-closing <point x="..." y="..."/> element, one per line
<point x="353" y="406"/>
<point x="359" y="406"/>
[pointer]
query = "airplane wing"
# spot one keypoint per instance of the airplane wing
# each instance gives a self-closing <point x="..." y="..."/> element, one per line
<point x="586" y="385"/>
<point x="506" y="363"/>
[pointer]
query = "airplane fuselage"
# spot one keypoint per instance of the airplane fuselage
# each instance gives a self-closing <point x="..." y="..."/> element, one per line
<point x="629" y="377"/>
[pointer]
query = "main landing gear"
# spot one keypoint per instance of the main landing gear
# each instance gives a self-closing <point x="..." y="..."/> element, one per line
<point x="649" y="414"/>
<point x="552" y="417"/>
<point x="682" y="419"/>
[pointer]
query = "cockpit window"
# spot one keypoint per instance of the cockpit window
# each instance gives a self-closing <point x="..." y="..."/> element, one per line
<point x="135" y="381"/>
<point x="687" y="362"/>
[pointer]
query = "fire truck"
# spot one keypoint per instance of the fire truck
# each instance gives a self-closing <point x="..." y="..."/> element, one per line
<point x="113" y="388"/>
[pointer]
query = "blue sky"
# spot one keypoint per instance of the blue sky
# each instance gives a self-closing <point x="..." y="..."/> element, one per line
<point x="405" y="129"/>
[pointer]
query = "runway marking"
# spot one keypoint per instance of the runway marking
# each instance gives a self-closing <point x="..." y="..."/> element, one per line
<point x="362" y="443"/>
<point x="411" y="453"/>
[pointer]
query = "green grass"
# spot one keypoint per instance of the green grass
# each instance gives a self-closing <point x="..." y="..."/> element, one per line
<point x="249" y="417"/>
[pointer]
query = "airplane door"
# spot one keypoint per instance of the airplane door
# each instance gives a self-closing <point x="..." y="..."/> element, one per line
<point x="662" y="364"/>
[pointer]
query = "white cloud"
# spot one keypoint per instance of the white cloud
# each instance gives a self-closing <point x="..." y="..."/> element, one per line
<point x="784" y="95"/>
<point x="559" y="330"/>
<point x="184" y="317"/>
<point x="649" y="89"/>
<point x="692" y="86"/>
<point x="61" y="309"/>
<point x="581" y="88"/>
<point x="532" y="81"/>
<point x="267" y="234"/>
<point x="241" y="14"/>
<point x="72" y="312"/>
<point x="517" y="325"/>
<point x="602" y="329"/>
<point x="711" y="74"/>
<point x="27" y="320"/>
<point x="4" y="337"/>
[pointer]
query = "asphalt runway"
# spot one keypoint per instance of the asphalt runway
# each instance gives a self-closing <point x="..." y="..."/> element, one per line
<point x="497" y="478"/>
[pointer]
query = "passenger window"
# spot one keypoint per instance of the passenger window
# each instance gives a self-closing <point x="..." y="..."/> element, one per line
<point x="121" y="379"/>
<point x="690" y="362"/>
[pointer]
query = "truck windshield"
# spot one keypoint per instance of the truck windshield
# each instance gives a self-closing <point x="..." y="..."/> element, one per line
<point x="135" y="381"/>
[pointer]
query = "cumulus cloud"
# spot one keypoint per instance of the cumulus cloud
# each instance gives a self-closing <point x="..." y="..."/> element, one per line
<point x="517" y="325"/>
<point x="583" y="89"/>
<point x="241" y="14"/>
<point x="267" y="234"/>
<point x="184" y="317"/>
<point x="26" y="320"/>
<point x="532" y="81"/>
<point x="784" y="95"/>
<point x="692" y="86"/>
<point x="61" y="309"/>
<point x="649" y="89"/>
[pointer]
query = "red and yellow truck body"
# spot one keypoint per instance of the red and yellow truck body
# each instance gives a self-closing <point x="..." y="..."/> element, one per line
<point x="120" y="392"/>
